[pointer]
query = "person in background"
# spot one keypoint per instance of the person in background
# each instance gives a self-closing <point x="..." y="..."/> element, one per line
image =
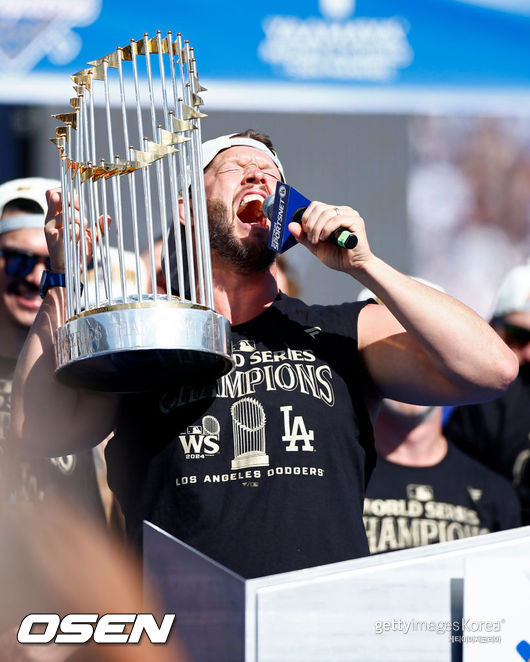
<point x="425" y="490"/>
<point x="23" y="258"/>
<point x="498" y="432"/>
<point x="28" y="482"/>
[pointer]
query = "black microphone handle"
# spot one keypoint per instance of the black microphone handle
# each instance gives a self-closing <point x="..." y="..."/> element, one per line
<point x="341" y="237"/>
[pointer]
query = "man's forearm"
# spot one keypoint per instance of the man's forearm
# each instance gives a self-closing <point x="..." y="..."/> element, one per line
<point x="48" y="417"/>
<point x="460" y="345"/>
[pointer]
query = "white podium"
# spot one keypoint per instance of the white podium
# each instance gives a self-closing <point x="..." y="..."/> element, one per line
<point x="461" y="601"/>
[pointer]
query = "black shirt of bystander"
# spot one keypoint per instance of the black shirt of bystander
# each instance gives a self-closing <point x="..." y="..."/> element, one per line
<point x="408" y="506"/>
<point x="498" y="434"/>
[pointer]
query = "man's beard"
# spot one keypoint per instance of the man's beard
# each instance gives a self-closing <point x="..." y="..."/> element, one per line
<point x="248" y="256"/>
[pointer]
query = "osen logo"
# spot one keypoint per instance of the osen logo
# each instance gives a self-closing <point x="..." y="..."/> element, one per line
<point x="81" y="628"/>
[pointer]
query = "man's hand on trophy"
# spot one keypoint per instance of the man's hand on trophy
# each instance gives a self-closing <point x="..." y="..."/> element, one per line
<point x="54" y="229"/>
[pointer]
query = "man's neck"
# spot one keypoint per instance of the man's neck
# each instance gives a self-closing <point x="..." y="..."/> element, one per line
<point x="420" y="446"/>
<point x="242" y="297"/>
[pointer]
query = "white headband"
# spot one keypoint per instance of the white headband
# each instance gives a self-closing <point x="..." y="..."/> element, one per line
<point x="514" y="293"/>
<point x="211" y="148"/>
<point x="21" y="222"/>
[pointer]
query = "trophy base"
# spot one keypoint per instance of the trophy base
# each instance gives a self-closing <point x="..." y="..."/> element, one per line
<point x="250" y="459"/>
<point x="145" y="346"/>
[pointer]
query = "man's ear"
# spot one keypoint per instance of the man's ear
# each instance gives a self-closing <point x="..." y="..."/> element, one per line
<point x="181" y="210"/>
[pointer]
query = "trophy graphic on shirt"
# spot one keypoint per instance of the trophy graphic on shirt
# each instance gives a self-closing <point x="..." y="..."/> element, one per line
<point x="248" y="425"/>
<point x="137" y="176"/>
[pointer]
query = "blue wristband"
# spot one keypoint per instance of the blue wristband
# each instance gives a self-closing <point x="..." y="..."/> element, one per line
<point x="50" y="279"/>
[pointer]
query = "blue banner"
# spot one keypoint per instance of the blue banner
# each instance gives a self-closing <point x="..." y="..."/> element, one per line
<point x="365" y="43"/>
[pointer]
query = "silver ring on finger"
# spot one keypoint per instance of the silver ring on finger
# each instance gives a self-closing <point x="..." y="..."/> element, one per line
<point x="337" y="211"/>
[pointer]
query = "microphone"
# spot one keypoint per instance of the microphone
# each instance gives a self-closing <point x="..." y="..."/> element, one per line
<point x="340" y="237"/>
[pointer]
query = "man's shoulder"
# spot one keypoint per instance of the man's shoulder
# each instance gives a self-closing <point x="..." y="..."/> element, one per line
<point x="333" y="316"/>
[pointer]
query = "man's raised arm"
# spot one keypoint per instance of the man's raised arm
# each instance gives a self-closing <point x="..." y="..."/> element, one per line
<point x="422" y="346"/>
<point x="426" y="347"/>
<point x="48" y="417"/>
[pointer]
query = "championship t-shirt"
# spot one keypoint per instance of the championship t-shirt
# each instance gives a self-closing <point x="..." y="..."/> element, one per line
<point x="456" y="498"/>
<point x="264" y="470"/>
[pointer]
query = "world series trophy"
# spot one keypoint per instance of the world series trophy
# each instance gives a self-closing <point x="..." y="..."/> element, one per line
<point x="121" y="334"/>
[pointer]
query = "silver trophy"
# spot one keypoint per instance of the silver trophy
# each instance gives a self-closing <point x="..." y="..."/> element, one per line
<point x="122" y="333"/>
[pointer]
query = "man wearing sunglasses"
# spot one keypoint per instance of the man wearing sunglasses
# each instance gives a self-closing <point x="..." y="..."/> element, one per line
<point x="23" y="258"/>
<point x="498" y="432"/>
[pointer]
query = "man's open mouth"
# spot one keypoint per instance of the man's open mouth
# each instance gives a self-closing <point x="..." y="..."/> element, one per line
<point x="23" y="290"/>
<point x="250" y="210"/>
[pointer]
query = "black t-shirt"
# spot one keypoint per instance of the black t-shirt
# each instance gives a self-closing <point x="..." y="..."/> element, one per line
<point x="498" y="434"/>
<point x="26" y="478"/>
<point x="456" y="498"/>
<point x="265" y="470"/>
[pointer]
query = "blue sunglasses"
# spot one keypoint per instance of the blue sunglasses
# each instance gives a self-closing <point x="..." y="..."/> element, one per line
<point x="19" y="263"/>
